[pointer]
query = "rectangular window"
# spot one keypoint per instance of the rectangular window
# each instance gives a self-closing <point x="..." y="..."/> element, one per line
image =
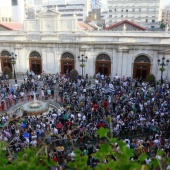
<point x="127" y="10"/>
<point x="146" y="20"/>
<point x="153" y="21"/>
<point x="139" y="9"/>
<point x="14" y="2"/>
<point x="110" y="16"/>
<point x="121" y="16"/>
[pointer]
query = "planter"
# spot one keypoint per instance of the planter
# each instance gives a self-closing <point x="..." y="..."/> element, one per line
<point x="162" y="69"/>
<point x="82" y="65"/>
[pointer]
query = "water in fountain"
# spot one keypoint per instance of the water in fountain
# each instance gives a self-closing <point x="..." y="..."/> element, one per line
<point x="35" y="107"/>
<point x="35" y="102"/>
<point x="35" y="98"/>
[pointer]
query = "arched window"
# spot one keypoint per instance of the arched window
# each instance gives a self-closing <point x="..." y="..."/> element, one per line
<point x="142" y="58"/>
<point x="67" y="55"/>
<point x="104" y="57"/>
<point x="5" y="53"/>
<point x="35" y="54"/>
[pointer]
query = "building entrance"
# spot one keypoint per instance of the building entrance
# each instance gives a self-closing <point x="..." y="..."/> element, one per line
<point x="141" y="67"/>
<point x="5" y="60"/>
<point x="35" y="63"/>
<point x="103" y="64"/>
<point x="67" y="63"/>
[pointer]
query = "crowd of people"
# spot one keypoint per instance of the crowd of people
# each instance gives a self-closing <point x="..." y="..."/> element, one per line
<point x="139" y="114"/>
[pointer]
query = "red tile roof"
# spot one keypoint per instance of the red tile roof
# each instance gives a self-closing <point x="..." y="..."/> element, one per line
<point x="11" y="25"/>
<point x="85" y="26"/>
<point x="123" y="22"/>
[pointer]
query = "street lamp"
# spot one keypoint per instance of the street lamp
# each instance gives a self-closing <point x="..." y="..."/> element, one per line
<point x="82" y="59"/>
<point x="13" y="62"/>
<point x="162" y="63"/>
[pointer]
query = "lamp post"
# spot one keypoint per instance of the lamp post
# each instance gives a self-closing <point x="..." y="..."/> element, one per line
<point x="13" y="62"/>
<point x="162" y="63"/>
<point x="82" y="59"/>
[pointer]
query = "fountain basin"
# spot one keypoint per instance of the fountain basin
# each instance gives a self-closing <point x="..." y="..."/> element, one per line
<point x="35" y="104"/>
<point x="35" y="108"/>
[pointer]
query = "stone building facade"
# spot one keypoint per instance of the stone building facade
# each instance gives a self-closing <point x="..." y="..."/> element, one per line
<point x="40" y="47"/>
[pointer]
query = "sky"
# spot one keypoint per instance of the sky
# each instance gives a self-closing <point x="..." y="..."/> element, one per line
<point x="165" y="2"/>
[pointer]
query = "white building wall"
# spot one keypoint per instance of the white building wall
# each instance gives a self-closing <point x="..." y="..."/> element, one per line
<point x="18" y="11"/>
<point x="136" y="11"/>
<point x="122" y="47"/>
<point x="68" y="8"/>
<point x="5" y="11"/>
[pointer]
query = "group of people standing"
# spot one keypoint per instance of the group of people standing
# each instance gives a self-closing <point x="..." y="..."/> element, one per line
<point x="139" y="114"/>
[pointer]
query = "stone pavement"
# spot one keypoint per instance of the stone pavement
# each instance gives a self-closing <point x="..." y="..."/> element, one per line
<point x="19" y="80"/>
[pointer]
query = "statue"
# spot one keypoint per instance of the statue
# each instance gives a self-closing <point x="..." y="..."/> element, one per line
<point x="167" y="28"/>
<point x="124" y="27"/>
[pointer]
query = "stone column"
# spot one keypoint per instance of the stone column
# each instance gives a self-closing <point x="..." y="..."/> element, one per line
<point x="58" y="61"/>
<point x="113" y="62"/>
<point x="122" y="61"/>
<point x="0" y="64"/>
<point x="43" y="60"/>
<point x="168" y="67"/>
<point x="90" y="64"/>
<point x="19" y="64"/>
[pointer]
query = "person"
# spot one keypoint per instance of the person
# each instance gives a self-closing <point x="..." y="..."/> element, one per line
<point x="42" y="93"/>
<point x="138" y="115"/>
<point x="15" y="81"/>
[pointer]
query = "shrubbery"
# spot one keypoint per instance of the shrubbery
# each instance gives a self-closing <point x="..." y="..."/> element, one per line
<point x="73" y="75"/>
<point x="151" y="78"/>
<point x="7" y="71"/>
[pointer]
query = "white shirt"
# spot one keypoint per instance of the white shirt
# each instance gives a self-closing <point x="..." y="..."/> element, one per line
<point x="55" y="131"/>
<point x="96" y="81"/>
<point x="79" y="116"/>
<point x="22" y="94"/>
<point x="84" y="117"/>
<point x="147" y="160"/>
<point x="54" y="115"/>
<point x="72" y="116"/>
<point x="72" y="155"/>
<point x="156" y="142"/>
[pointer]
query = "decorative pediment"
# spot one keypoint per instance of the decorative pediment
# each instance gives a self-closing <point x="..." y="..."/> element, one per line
<point x="48" y="14"/>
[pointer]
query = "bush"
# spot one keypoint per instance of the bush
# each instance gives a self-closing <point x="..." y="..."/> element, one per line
<point x="73" y="75"/>
<point x="151" y="78"/>
<point x="7" y="71"/>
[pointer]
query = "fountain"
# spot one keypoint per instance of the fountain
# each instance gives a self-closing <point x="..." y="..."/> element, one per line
<point x="35" y="107"/>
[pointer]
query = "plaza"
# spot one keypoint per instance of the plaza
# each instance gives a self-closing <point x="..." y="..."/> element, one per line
<point x="112" y="93"/>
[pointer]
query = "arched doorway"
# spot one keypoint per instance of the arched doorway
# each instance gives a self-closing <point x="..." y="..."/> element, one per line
<point x="5" y="60"/>
<point x="67" y="62"/>
<point x="141" y="67"/>
<point x="35" y="62"/>
<point x="103" y="64"/>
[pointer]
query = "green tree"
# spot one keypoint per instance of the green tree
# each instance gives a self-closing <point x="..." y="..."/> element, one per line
<point x="162" y="26"/>
<point x="28" y="159"/>
<point x="122" y="155"/>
